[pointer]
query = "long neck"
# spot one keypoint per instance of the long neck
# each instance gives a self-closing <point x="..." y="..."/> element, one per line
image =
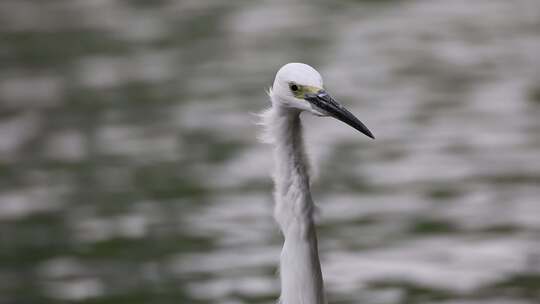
<point x="300" y="270"/>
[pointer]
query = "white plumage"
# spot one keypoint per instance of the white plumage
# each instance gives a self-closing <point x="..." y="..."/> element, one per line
<point x="297" y="88"/>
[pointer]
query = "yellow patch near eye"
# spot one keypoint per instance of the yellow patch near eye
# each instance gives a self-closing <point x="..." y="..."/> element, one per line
<point x="301" y="90"/>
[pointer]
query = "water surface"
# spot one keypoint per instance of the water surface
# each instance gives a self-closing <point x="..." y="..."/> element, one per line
<point x="131" y="172"/>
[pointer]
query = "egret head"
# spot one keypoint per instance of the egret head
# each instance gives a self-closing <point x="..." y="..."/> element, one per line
<point x="299" y="86"/>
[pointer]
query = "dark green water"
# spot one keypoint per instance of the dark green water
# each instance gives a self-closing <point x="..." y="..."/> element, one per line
<point x="130" y="171"/>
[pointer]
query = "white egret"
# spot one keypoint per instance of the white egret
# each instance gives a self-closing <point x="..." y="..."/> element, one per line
<point x="298" y="88"/>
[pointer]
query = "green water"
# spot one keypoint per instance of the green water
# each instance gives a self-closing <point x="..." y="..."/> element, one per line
<point x="130" y="171"/>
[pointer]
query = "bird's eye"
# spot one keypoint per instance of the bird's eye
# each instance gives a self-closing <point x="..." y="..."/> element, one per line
<point x="294" y="87"/>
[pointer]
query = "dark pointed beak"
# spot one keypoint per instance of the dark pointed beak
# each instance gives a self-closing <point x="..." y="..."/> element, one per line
<point x="324" y="101"/>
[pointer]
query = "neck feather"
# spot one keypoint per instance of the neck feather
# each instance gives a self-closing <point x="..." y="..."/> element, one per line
<point x="300" y="271"/>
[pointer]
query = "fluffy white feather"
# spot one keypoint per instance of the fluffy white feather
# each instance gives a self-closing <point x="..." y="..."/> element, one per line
<point x="300" y="270"/>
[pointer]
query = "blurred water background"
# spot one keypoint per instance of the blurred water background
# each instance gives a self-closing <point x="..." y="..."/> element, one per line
<point x="130" y="170"/>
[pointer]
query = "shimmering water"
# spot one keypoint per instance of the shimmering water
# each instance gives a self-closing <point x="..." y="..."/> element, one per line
<point x="130" y="170"/>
